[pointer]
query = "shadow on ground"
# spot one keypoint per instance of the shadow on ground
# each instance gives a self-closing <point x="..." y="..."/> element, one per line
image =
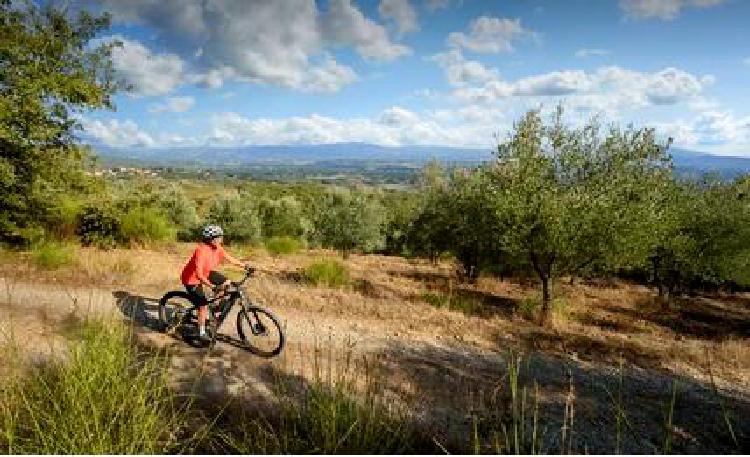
<point x="139" y="309"/>
<point x="448" y="382"/>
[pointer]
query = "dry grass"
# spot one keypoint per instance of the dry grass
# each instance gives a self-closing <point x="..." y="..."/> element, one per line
<point x="435" y="357"/>
<point x="599" y="322"/>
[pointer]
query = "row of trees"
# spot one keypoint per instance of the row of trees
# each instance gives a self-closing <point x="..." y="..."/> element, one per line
<point x="561" y="201"/>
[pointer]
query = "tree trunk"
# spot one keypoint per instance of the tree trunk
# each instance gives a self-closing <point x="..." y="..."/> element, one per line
<point x="546" y="295"/>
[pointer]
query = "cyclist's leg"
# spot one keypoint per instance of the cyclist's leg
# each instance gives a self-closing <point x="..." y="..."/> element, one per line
<point x="199" y="299"/>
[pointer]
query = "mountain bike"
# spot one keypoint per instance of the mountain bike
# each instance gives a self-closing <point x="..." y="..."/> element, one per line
<point x="257" y="327"/>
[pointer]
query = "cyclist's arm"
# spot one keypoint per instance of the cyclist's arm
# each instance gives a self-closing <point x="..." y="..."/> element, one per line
<point x="234" y="261"/>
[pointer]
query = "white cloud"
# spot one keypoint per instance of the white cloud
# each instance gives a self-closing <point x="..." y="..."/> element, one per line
<point x="606" y="89"/>
<point x="146" y="72"/>
<point x="586" y="52"/>
<point x="402" y="13"/>
<point x="671" y="85"/>
<point x="460" y="71"/>
<point x="173" y="105"/>
<point x="393" y="127"/>
<point x="345" y="24"/>
<point x="746" y="60"/>
<point x="489" y="35"/>
<point x="117" y="134"/>
<point x="662" y="9"/>
<point x="554" y="83"/>
<point x="329" y="77"/>
<point x="283" y="43"/>
<point x="712" y="128"/>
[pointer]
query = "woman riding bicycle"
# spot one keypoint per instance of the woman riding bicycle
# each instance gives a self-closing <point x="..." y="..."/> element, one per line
<point x="200" y="271"/>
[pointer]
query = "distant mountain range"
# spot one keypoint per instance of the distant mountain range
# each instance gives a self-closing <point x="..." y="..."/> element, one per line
<point x="686" y="161"/>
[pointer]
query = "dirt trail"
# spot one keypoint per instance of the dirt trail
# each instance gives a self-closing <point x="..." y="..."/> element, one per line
<point x="436" y="375"/>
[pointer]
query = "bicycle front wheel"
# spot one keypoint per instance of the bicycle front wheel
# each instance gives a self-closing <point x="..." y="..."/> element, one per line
<point x="260" y="330"/>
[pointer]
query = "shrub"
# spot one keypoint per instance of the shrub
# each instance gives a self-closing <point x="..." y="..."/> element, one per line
<point x="467" y="305"/>
<point x="52" y="255"/>
<point x="143" y="225"/>
<point x="330" y="273"/>
<point x="283" y="245"/>
<point x="99" y="226"/>
<point x="103" y="398"/>
<point x="529" y="306"/>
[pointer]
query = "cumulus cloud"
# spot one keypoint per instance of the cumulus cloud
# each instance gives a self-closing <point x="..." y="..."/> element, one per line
<point x="173" y="105"/>
<point x="145" y="72"/>
<point x="587" y="52"/>
<point x="262" y="41"/>
<point x="401" y="12"/>
<point x="460" y="71"/>
<point x="709" y="128"/>
<point x="395" y="126"/>
<point x="662" y="9"/>
<point x="116" y="133"/>
<point x="489" y="35"/>
<point x="606" y="89"/>
<point x="345" y="24"/>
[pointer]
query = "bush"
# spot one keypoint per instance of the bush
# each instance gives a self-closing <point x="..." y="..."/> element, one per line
<point x="143" y="225"/>
<point x="100" y="226"/>
<point x="53" y="255"/>
<point x="330" y="273"/>
<point x="283" y="245"/>
<point x="103" y="398"/>
<point x="466" y="305"/>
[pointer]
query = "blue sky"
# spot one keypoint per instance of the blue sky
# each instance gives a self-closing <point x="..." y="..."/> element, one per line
<point x="432" y="72"/>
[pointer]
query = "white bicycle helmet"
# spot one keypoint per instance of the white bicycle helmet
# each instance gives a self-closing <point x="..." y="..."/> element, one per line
<point x="212" y="231"/>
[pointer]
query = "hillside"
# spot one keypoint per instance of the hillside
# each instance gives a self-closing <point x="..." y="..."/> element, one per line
<point x="439" y="347"/>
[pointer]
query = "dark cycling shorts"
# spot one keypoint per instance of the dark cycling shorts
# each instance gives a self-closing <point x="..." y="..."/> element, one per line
<point x="197" y="295"/>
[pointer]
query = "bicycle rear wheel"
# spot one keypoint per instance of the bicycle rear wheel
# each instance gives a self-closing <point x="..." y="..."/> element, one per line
<point x="260" y="330"/>
<point x="174" y="308"/>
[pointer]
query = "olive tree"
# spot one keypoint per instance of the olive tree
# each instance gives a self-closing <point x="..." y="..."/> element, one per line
<point x="350" y="221"/>
<point x="566" y="197"/>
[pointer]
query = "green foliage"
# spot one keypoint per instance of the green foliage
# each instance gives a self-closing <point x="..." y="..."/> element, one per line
<point x="283" y="245"/>
<point x="329" y="273"/>
<point x="100" y="226"/>
<point x="350" y="221"/>
<point x="284" y="217"/>
<point x="48" y="70"/>
<point x="103" y="398"/>
<point x="143" y="225"/>
<point x="567" y="197"/>
<point x="53" y="255"/>
<point x="238" y="217"/>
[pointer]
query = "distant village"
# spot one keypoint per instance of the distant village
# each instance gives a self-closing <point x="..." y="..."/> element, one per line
<point x="127" y="172"/>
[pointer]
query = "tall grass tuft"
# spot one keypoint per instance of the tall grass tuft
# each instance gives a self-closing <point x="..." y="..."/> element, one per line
<point x="103" y="397"/>
<point x="337" y="411"/>
<point x="329" y="273"/>
<point x="283" y="245"/>
<point x="511" y="422"/>
<point x="53" y="255"/>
